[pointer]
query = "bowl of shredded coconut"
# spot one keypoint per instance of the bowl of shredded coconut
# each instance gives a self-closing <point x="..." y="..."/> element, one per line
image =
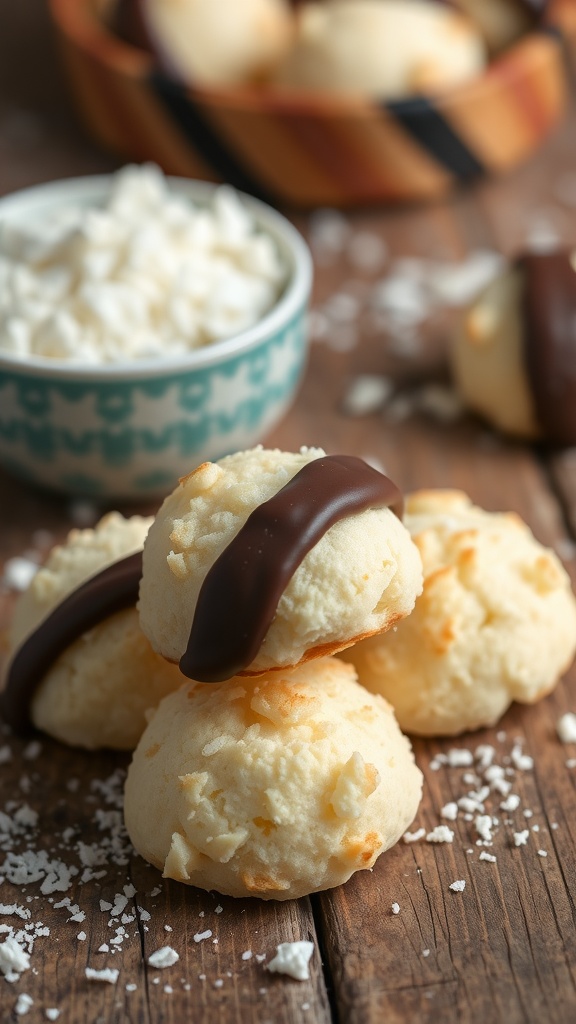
<point x="146" y="324"/>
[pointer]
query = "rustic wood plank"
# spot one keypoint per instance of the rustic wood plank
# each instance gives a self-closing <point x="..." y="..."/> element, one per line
<point x="501" y="949"/>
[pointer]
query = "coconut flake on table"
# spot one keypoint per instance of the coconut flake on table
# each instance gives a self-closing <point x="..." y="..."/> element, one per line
<point x="24" y="1003"/>
<point x="440" y="834"/>
<point x="366" y="394"/>
<point x="292" y="958"/>
<point x="329" y="232"/>
<point x="164" y="957"/>
<point x="566" y="727"/>
<point x="366" y="251"/>
<point x="14" y="960"/>
<point x="457" y="284"/>
<point x="107" y="974"/>
<point x="415" y="287"/>
<point x="148" y="274"/>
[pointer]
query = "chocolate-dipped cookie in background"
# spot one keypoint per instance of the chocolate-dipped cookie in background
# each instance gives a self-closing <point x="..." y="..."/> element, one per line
<point x="514" y="355"/>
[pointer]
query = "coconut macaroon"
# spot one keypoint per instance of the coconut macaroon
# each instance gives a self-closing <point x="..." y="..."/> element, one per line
<point x="487" y="357"/>
<point x="496" y="621"/>
<point x="215" y="42"/>
<point x="275" y="787"/>
<point x="360" y="577"/>
<point x="514" y="354"/>
<point x="384" y="50"/>
<point x="96" y="693"/>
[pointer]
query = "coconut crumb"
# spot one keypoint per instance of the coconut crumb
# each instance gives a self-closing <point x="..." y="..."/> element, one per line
<point x="413" y="837"/>
<point x="23" y="1004"/>
<point x="566" y="728"/>
<point x="164" y="957"/>
<point x="292" y="958"/>
<point x="440" y="834"/>
<point x="521" y="838"/>
<point x="107" y="974"/>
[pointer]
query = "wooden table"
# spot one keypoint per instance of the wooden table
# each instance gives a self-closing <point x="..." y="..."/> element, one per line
<point x="502" y="950"/>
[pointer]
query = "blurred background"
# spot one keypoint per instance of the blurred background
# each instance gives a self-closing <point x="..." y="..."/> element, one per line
<point x="393" y="269"/>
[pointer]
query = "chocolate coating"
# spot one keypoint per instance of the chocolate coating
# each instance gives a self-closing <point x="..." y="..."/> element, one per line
<point x="240" y="593"/>
<point x="108" y="591"/>
<point x="549" y="319"/>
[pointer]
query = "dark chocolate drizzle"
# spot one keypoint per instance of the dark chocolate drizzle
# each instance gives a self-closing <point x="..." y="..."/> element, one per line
<point x="240" y="593"/>
<point x="108" y="591"/>
<point x="549" y="321"/>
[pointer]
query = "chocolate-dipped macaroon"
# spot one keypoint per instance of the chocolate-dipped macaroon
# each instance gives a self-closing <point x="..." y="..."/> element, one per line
<point x="514" y="356"/>
<point x="79" y="667"/>
<point x="266" y="559"/>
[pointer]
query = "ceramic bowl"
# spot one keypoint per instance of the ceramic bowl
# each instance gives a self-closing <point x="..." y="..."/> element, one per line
<point x="131" y="430"/>
<point x="303" y="149"/>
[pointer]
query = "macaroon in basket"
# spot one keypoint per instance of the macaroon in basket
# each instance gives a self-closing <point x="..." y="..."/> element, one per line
<point x="308" y="146"/>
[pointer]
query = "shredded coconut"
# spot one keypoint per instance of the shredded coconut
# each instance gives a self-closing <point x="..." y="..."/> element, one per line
<point x="566" y="727"/>
<point x="13" y="958"/>
<point x="413" y="837"/>
<point x="511" y="803"/>
<point x="523" y="762"/>
<point x="108" y="974"/>
<point x="449" y="811"/>
<point x="521" y="838"/>
<point x="366" y="394"/>
<point x="164" y="957"/>
<point x="440" y="834"/>
<point x="146" y="274"/>
<point x="460" y="757"/>
<point x="292" y="958"/>
<point x="23" y="1004"/>
<point x="483" y="824"/>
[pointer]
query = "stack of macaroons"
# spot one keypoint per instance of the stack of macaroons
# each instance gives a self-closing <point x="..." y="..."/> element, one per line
<point x="269" y="767"/>
<point x="286" y="776"/>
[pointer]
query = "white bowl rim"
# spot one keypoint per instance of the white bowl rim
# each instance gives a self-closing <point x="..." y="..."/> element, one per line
<point x="93" y="187"/>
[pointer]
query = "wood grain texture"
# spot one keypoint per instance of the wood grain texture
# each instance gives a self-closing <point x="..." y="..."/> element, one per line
<point x="504" y="949"/>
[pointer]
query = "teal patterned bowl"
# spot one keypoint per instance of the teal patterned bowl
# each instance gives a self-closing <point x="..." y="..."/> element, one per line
<point x="130" y="430"/>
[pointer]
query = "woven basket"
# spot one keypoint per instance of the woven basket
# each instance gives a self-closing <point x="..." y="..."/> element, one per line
<point x="306" y="150"/>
